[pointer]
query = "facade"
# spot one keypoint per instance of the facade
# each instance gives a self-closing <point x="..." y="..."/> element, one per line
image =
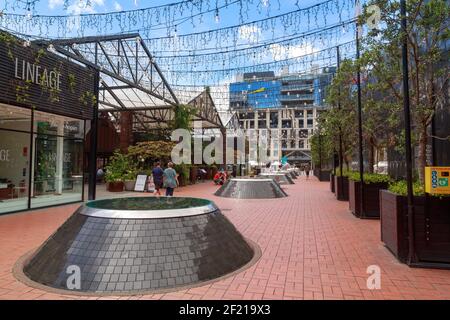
<point x="44" y="108"/>
<point x="286" y="107"/>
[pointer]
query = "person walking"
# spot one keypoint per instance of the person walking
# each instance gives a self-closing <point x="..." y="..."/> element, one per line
<point x="157" y="174"/>
<point x="307" y="169"/>
<point x="170" y="179"/>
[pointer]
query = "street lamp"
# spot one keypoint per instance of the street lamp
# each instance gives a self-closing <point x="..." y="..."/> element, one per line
<point x="408" y="151"/>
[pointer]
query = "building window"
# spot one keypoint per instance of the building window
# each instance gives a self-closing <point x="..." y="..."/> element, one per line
<point x="57" y="160"/>
<point x="251" y="124"/>
<point x="15" y="125"/>
<point x="286" y="123"/>
<point x="301" y="123"/>
<point x="262" y="124"/>
<point x="310" y="123"/>
<point x="310" y="113"/>
<point x="301" y="144"/>
<point x="274" y="119"/>
<point x="298" y="113"/>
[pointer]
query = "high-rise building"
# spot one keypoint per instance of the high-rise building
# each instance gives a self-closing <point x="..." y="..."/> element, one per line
<point x="285" y="106"/>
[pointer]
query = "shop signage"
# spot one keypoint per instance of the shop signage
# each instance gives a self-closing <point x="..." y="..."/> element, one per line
<point x="4" y="155"/>
<point x="437" y="180"/>
<point x="45" y="81"/>
<point x="34" y="73"/>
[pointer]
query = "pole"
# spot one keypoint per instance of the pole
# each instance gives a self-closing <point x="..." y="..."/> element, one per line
<point x="320" y="152"/>
<point x="408" y="149"/>
<point x="341" y="157"/>
<point x="360" y="132"/>
<point x="94" y="133"/>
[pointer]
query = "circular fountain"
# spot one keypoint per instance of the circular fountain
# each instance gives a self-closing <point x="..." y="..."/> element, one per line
<point x="139" y="245"/>
<point x="280" y="178"/>
<point x="247" y="188"/>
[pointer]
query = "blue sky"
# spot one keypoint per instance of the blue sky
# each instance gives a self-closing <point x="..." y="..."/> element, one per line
<point x="248" y="37"/>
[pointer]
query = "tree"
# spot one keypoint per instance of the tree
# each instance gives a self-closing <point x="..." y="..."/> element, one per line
<point x="341" y="119"/>
<point x="428" y="29"/>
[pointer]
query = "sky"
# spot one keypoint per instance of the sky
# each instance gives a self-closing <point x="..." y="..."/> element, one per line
<point x="248" y="36"/>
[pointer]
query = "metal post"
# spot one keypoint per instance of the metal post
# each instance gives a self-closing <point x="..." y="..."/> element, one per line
<point x="341" y="156"/>
<point x="94" y="134"/>
<point x="360" y="133"/>
<point x="320" y="153"/>
<point x="408" y="149"/>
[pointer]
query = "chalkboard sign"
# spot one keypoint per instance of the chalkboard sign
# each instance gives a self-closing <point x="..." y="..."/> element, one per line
<point x="141" y="181"/>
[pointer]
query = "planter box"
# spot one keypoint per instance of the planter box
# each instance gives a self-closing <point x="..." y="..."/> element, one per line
<point x="115" y="186"/>
<point x="341" y="191"/>
<point x="431" y="227"/>
<point x="129" y="185"/>
<point x="332" y="188"/>
<point x="322" y="175"/>
<point x="371" y="199"/>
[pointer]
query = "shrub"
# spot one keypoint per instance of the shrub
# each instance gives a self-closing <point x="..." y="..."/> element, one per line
<point x="400" y="188"/>
<point x="369" y="177"/>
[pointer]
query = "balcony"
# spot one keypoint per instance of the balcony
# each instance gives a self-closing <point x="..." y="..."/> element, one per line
<point x="296" y="87"/>
<point x="297" y="97"/>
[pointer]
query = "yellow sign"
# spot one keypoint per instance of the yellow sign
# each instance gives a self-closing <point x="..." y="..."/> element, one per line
<point x="437" y="180"/>
<point x="258" y="90"/>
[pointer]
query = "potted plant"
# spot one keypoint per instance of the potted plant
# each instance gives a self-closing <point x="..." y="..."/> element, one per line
<point x="130" y="179"/>
<point x="373" y="183"/>
<point x="431" y="224"/>
<point x="116" y="171"/>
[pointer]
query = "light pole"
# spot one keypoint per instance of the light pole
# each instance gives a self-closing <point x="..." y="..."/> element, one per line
<point x="360" y="133"/>
<point x="408" y="150"/>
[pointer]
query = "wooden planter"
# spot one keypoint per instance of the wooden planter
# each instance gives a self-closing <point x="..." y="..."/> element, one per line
<point x="371" y="199"/>
<point x="115" y="186"/>
<point x="431" y="227"/>
<point x="341" y="192"/>
<point x="332" y="183"/>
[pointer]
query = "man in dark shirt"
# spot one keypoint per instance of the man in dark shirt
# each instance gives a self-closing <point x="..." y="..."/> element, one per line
<point x="157" y="173"/>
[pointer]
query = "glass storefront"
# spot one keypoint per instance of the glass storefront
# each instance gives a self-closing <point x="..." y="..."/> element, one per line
<point x="41" y="150"/>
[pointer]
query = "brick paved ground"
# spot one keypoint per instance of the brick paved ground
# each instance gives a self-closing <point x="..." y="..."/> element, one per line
<point x="312" y="248"/>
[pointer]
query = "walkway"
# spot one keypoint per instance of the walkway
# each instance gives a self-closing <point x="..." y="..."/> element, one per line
<point x="312" y="248"/>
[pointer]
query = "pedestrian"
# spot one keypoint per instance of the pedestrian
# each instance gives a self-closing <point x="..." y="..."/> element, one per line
<point x="307" y="169"/>
<point x="170" y="179"/>
<point x="157" y="174"/>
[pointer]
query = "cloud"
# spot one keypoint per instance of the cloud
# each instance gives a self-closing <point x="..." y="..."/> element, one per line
<point x="250" y="33"/>
<point x="52" y="4"/>
<point x="82" y="6"/>
<point x="117" y="6"/>
<point x="281" y="52"/>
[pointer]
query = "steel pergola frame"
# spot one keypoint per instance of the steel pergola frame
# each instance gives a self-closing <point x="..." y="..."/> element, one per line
<point x="130" y="80"/>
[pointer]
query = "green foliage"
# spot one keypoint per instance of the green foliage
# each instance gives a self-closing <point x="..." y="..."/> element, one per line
<point x="183" y="117"/>
<point x="369" y="177"/>
<point x="400" y="188"/>
<point x="321" y="149"/>
<point x="144" y="154"/>
<point x="120" y="168"/>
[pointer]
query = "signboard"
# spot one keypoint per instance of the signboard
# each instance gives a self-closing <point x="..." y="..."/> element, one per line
<point x="31" y="77"/>
<point x="437" y="180"/>
<point x="141" y="181"/>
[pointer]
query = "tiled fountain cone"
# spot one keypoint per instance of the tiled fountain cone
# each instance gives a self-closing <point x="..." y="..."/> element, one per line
<point x="141" y="244"/>
<point x="280" y="178"/>
<point x="289" y="173"/>
<point x="243" y="188"/>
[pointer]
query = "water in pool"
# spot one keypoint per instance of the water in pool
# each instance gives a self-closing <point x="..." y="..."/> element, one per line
<point x="148" y="203"/>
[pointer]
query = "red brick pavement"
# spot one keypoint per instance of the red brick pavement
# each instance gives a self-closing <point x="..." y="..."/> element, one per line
<point x="312" y="248"/>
